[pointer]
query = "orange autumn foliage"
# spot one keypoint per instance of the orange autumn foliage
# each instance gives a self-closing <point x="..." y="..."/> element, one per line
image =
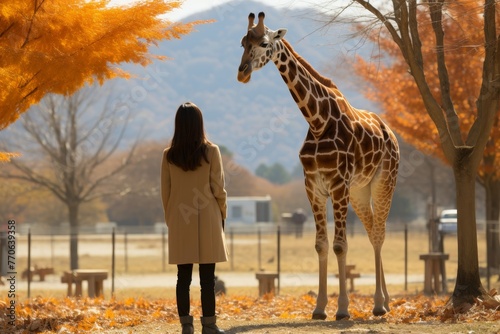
<point x="58" y="46"/>
<point x="395" y="90"/>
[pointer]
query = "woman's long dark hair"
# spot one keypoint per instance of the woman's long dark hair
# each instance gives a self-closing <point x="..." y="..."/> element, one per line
<point x="189" y="143"/>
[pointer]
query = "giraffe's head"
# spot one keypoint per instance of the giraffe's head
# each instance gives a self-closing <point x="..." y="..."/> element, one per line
<point x="258" y="46"/>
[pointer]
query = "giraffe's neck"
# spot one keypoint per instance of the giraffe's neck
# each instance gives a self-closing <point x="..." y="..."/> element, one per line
<point x="313" y="94"/>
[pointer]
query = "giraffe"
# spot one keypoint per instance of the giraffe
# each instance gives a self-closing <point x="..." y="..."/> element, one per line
<point x="348" y="155"/>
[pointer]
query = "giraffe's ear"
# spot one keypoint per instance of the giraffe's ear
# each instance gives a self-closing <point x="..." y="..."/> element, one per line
<point x="279" y="34"/>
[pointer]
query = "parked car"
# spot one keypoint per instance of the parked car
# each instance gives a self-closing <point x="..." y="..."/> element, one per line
<point x="448" y="222"/>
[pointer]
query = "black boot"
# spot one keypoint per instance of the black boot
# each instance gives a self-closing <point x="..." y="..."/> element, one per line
<point x="187" y="324"/>
<point x="209" y="326"/>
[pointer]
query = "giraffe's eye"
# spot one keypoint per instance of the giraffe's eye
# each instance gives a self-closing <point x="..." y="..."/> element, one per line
<point x="264" y="45"/>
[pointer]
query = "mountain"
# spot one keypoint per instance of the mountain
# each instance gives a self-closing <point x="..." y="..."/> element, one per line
<point x="259" y="122"/>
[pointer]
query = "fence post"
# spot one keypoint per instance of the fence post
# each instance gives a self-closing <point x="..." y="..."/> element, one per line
<point x="51" y="248"/>
<point x="231" y="236"/>
<point x="406" y="257"/>
<point x="259" y="254"/>
<point x="3" y="253"/>
<point x="279" y="257"/>
<point x="125" y="243"/>
<point x="29" y="262"/>
<point x="113" y="263"/>
<point x="488" y="243"/>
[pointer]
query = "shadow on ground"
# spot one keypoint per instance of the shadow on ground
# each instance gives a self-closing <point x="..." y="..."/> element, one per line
<point x="303" y="326"/>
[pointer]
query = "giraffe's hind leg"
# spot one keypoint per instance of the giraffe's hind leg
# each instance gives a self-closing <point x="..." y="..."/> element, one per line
<point x="340" y="200"/>
<point x="361" y="203"/>
<point x="382" y="189"/>
<point x="384" y="289"/>
<point x="379" y="298"/>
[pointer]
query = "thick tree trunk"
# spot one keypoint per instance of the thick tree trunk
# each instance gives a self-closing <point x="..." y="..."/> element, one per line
<point x="492" y="223"/>
<point x="73" y="242"/>
<point x="468" y="284"/>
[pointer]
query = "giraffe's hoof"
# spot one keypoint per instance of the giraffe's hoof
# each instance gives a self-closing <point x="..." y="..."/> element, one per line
<point x="342" y="316"/>
<point x="319" y="316"/>
<point x="378" y="312"/>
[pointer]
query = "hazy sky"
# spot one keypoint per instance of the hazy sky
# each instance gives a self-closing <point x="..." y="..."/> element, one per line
<point x="190" y="7"/>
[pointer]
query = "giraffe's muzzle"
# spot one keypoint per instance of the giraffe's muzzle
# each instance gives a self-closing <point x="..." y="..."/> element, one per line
<point x="244" y="73"/>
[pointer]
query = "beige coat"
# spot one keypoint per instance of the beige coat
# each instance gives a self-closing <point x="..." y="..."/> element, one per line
<point x="194" y="203"/>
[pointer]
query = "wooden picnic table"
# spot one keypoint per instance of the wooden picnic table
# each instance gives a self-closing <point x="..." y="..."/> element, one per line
<point x="94" y="277"/>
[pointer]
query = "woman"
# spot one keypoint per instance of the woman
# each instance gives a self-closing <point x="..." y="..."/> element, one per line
<point x="194" y="203"/>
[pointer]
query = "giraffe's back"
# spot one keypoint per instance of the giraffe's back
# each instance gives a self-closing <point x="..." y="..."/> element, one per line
<point x="352" y="148"/>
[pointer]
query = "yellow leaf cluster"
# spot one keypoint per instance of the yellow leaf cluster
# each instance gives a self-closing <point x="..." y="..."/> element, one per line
<point x="5" y="156"/>
<point x="58" y="46"/>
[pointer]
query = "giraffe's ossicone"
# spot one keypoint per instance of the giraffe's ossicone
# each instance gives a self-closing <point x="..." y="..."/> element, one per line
<point x="349" y="155"/>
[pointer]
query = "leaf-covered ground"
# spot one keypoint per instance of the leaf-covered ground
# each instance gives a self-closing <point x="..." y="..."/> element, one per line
<point x="69" y="315"/>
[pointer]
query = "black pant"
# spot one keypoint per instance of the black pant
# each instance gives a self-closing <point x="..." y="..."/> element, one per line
<point x="207" y="283"/>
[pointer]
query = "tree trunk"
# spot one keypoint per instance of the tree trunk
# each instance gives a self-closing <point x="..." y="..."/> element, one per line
<point x="468" y="284"/>
<point x="492" y="223"/>
<point x="73" y="230"/>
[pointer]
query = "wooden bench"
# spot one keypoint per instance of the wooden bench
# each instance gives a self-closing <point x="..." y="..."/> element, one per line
<point x="350" y="275"/>
<point x="266" y="282"/>
<point x="434" y="270"/>
<point x="95" y="281"/>
<point x="41" y="272"/>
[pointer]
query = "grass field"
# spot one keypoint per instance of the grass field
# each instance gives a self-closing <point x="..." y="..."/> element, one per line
<point x="148" y="254"/>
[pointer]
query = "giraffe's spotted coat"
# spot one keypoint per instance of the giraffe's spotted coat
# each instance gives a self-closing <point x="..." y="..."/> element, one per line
<point x="348" y="155"/>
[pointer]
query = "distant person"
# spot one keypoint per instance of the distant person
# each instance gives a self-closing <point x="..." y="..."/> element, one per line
<point x="194" y="203"/>
<point x="298" y="220"/>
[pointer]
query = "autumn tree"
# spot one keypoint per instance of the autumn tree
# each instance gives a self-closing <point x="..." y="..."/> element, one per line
<point x="397" y="93"/>
<point x="140" y="204"/>
<point x="463" y="146"/>
<point x="58" y="46"/>
<point x="66" y="143"/>
<point x="276" y="173"/>
<point x="13" y="200"/>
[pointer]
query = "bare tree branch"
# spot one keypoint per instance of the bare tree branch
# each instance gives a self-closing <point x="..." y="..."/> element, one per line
<point x="415" y="36"/>
<point x="408" y="41"/>
<point x="436" y="13"/>
<point x="36" y="7"/>
<point x="385" y="20"/>
<point x="70" y="158"/>
<point x="92" y="193"/>
<point x="33" y="177"/>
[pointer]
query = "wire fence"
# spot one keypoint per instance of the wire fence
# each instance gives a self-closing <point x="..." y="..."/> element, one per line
<point x="271" y="247"/>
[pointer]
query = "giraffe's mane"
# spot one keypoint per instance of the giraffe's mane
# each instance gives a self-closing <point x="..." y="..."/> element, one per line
<point x="322" y="79"/>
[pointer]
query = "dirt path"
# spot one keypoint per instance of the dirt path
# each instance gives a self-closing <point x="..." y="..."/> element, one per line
<point x="299" y="326"/>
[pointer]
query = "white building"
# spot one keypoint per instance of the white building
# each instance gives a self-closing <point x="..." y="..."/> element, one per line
<point x="248" y="210"/>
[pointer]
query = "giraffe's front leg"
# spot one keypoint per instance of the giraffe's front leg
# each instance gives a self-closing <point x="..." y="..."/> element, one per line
<point x="322" y="250"/>
<point x="318" y="205"/>
<point x="322" y="299"/>
<point x="340" y="200"/>
<point x="340" y="250"/>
